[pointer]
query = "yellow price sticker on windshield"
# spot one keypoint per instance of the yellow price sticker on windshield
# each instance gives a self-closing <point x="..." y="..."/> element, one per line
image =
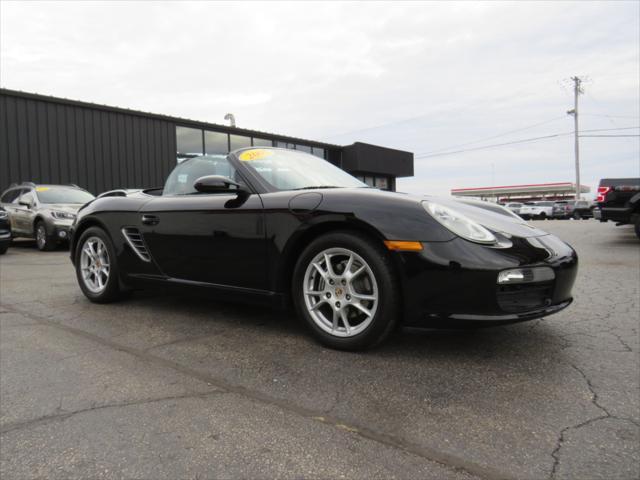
<point x="255" y="154"/>
<point x="42" y="189"/>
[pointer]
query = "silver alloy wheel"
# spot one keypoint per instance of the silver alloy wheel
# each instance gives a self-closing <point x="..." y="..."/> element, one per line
<point x="94" y="264"/>
<point x="41" y="236"/>
<point x="340" y="292"/>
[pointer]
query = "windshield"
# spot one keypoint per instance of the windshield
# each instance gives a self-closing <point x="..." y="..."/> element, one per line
<point x="292" y="170"/>
<point x="63" y="195"/>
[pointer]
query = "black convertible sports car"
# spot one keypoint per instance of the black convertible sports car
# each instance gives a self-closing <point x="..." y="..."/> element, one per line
<point x="281" y="227"/>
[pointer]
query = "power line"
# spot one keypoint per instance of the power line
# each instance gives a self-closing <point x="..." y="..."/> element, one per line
<point x="610" y="129"/>
<point x="609" y="116"/>
<point x="491" y="137"/>
<point x="525" y="140"/>
<point x="609" y="135"/>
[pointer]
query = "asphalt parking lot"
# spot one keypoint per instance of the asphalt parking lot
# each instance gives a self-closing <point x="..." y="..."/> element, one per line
<point x="163" y="386"/>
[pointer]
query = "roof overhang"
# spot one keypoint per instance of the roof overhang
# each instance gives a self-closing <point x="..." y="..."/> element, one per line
<point x="530" y="189"/>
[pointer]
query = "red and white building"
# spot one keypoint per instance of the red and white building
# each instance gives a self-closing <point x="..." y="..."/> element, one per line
<point x="521" y="193"/>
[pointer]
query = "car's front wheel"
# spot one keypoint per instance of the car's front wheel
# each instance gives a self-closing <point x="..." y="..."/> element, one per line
<point x="96" y="266"/>
<point x="44" y="241"/>
<point x="345" y="289"/>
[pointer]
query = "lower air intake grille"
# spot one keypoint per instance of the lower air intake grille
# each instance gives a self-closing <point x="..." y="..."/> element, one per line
<point x="135" y="241"/>
<point x="523" y="296"/>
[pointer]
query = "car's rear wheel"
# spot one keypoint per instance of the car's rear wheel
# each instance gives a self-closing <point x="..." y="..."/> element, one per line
<point x="345" y="289"/>
<point x="577" y="216"/>
<point x="543" y="216"/>
<point x="44" y="241"/>
<point x="4" y="246"/>
<point x="97" y="267"/>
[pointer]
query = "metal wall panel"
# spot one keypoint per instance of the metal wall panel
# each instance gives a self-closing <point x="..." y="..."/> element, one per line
<point x="50" y="142"/>
<point x="53" y="140"/>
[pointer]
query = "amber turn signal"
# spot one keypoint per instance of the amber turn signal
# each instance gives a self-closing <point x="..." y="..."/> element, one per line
<point x="402" y="245"/>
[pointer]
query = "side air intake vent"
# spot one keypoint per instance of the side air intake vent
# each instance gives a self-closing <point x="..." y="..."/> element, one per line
<point x="135" y="241"/>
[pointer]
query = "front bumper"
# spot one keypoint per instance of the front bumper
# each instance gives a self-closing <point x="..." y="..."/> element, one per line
<point x="455" y="282"/>
<point x="60" y="229"/>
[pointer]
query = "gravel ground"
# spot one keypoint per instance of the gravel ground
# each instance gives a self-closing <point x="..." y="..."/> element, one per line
<point x="163" y="386"/>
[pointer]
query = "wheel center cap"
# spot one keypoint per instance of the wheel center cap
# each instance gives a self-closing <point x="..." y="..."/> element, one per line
<point x="339" y="292"/>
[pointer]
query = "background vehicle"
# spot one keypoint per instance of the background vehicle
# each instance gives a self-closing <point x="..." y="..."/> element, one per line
<point x="514" y="207"/>
<point x="539" y="210"/>
<point x="5" y="231"/>
<point x="281" y="226"/>
<point x="619" y="201"/>
<point x="43" y="212"/>
<point x="573" y="209"/>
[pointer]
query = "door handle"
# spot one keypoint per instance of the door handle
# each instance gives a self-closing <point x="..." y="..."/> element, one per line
<point x="150" y="220"/>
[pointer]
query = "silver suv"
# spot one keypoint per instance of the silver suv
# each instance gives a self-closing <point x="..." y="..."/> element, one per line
<point x="43" y="212"/>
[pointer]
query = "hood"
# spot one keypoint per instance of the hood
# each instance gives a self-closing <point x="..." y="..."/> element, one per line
<point x="65" y="207"/>
<point x="492" y="216"/>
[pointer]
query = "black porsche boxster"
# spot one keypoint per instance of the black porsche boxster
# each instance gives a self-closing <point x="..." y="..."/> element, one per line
<point x="282" y="226"/>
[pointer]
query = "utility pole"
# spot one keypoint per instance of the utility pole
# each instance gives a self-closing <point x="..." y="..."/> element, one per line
<point x="577" y="90"/>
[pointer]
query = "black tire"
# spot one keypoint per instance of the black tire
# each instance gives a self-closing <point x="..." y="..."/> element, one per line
<point x="44" y="241"/>
<point x="577" y="216"/>
<point x="389" y="295"/>
<point x="112" y="291"/>
<point x="636" y="226"/>
<point x="4" y="246"/>
<point x="543" y="216"/>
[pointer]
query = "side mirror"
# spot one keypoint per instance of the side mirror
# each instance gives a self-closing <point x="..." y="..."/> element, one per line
<point x="217" y="183"/>
<point x="25" y="203"/>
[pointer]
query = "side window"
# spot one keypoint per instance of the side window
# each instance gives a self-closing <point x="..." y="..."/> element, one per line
<point x="11" y="196"/>
<point x="182" y="178"/>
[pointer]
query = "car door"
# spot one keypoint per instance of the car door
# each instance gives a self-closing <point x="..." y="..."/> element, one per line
<point x="26" y="211"/>
<point x="9" y="202"/>
<point x="215" y="238"/>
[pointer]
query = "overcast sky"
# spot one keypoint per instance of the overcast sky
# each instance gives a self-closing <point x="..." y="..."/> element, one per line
<point x="422" y="77"/>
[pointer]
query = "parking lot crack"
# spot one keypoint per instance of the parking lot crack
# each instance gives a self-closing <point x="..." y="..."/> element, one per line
<point x="429" y="453"/>
<point x="555" y="454"/>
<point x="62" y="415"/>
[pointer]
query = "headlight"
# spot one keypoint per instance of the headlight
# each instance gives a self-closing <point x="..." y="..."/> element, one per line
<point x="3" y="214"/>
<point x="459" y="224"/>
<point x="60" y="215"/>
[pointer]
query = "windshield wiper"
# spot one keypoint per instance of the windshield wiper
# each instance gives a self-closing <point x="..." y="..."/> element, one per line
<point x="317" y="186"/>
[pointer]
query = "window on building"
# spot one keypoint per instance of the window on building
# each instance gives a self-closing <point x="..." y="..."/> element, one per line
<point x="188" y="142"/>
<point x="262" y="142"/>
<point x="238" y="141"/>
<point x="369" y="180"/>
<point x="318" y="152"/>
<point x="216" y="143"/>
<point x="382" y="183"/>
<point x="281" y="144"/>
<point x="304" y="148"/>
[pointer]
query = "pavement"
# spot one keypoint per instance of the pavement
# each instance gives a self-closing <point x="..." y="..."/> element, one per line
<point x="165" y="386"/>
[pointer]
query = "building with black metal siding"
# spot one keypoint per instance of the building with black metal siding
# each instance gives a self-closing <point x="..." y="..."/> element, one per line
<point x="58" y="141"/>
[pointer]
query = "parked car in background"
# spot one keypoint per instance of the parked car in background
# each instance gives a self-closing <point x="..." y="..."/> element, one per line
<point x="43" y="212"/>
<point x="285" y="227"/>
<point x="537" y="210"/>
<point x="5" y="231"/>
<point x="577" y="209"/>
<point x="514" y="207"/>
<point x="619" y="201"/>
